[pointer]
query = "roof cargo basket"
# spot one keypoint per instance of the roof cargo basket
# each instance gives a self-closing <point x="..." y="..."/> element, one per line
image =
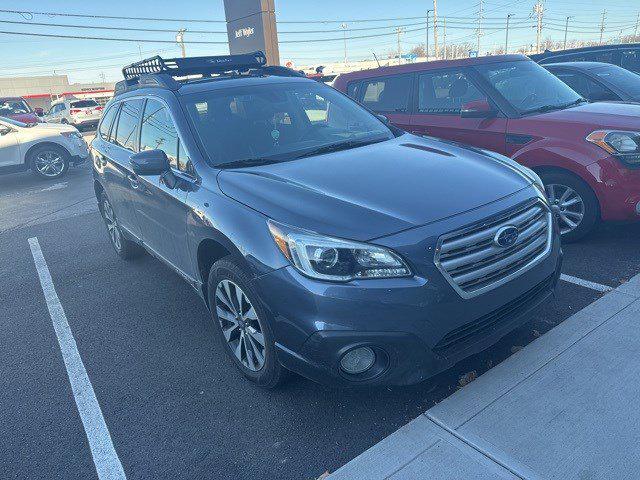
<point x="205" y="66"/>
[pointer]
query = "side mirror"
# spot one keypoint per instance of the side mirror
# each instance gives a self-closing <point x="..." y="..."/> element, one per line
<point x="5" y="130"/>
<point x="39" y="111"/>
<point x="150" y="162"/>
<point x="382" y="118"/>
<point x="477" y="109"/>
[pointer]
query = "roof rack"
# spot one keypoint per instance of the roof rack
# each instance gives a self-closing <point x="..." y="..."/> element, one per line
<point x="182" y="67"/>
<point x="162" y="72"/>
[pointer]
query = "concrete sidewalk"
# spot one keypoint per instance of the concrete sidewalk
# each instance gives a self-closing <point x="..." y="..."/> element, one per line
<point x="567" y="406"/>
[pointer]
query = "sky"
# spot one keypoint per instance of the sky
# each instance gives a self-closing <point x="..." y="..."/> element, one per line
<point x="93" y="60"/>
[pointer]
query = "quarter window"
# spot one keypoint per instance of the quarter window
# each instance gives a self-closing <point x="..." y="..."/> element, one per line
<point x="445" y="92"/>
<point x="387" y="94"/>
<point x="127" y="129"/>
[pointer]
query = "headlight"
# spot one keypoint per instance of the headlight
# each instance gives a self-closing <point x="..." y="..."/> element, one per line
<point x="71" y="133"/>
<point x="328" y="258"/>
<point x="624" y="145"/>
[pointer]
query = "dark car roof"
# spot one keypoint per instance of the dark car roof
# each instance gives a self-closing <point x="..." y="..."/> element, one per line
<point x="581" y="65"/>
<point x="421" y="66"/>
<point x="223" y="83"/>
<point x="597" y="48"/>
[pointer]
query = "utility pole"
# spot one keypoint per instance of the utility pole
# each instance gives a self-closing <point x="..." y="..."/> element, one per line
<point x="604" y="16"/>
<point x="566" y="28"/>
<point x="635" y="32"/>
<point x="538" y="9"/>
<point x="427" y="44"/>
<point x="444" y="35"/>
<point x="506" y="39"/>
<point x="399" y="31"/>
<point x="480" y="16"/>
<point x="180" y="41"/>
<point x="435" y="28"/>
<point x="343" y="26"/>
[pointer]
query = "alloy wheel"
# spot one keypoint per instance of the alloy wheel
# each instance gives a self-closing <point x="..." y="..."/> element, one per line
<point x="240" y="325"/>
<point x="568" y="206"/>
<point x="49" y="163"/>
<point x="112" y="226"/>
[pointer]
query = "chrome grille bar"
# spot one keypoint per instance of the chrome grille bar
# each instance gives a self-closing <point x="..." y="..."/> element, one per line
<point x="473" y="262"/>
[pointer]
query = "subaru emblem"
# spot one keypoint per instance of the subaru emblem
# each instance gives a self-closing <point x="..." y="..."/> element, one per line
<point x="506" y="236"/>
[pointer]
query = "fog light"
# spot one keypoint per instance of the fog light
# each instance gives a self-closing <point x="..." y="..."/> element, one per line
<point x="358" y="360"/>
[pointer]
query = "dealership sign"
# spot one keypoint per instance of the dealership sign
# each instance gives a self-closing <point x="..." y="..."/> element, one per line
<point x="251" y="26"/>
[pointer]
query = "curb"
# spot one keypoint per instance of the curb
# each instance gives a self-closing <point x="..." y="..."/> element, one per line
<point x="430" y="447"/>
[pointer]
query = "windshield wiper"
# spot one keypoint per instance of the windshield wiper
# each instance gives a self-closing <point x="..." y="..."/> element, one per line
<point x="336" y="147"/>
<point x="548" y="108"/>
<point x="248" y="162"/>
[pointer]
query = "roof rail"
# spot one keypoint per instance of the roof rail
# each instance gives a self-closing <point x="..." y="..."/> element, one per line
<point x="182" y="67"/>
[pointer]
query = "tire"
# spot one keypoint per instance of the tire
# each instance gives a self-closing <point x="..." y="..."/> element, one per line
<point x="224" y="278"/>
<point x="126" y="249"/>
<point x="49" y="162"/>
<point x="580" y="200"/>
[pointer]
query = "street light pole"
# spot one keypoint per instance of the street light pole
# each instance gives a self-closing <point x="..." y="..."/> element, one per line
<point x="566" y="28"/>
<point x="343" y="26"/>
<point x="180" y="40"/>
<point x="426" y="53"/>
<point x="506" y="39"/>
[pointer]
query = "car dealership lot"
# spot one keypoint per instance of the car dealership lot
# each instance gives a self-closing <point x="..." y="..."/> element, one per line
<point x="171" y="399"/>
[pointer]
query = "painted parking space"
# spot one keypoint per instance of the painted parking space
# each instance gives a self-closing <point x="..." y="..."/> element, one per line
<point x="172" y="400"/>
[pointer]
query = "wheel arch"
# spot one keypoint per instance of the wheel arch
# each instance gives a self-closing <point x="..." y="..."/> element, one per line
<point x="209" y="251"/>
<point x="550" y="169"/>
<point x="38" y="145"/>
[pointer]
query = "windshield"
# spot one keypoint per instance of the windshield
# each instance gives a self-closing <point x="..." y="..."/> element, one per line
<point x="16" y="123"/>
<point x="528" y="87"/>
<point x="14" y="106"/>
<point x="625" y="80"/>
<point x="279" y="122"/>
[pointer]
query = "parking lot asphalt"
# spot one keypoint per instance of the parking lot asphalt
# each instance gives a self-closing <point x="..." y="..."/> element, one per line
<point x="174" y="405"/>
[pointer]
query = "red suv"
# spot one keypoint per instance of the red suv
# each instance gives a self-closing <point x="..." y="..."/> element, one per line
<point x="17" y="108"/>
<point x="588" y="155"/>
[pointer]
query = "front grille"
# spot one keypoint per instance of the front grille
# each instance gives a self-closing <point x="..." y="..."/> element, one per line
<point x="473" y="262"/>
<point x="494" y="320"/>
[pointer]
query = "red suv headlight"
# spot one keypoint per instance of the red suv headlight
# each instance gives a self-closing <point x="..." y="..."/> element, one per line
<point x="622" y="144"/>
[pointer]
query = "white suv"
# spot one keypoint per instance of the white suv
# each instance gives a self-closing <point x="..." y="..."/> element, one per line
<point x="80" y="113"/>
<point x="45" y="148"/>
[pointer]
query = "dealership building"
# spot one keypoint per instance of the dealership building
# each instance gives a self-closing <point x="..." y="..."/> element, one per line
<point x="40" y="91"/>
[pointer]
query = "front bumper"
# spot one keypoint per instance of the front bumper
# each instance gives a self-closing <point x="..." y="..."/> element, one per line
<point x="617" y="189"/>
<point x="417" y="326"/>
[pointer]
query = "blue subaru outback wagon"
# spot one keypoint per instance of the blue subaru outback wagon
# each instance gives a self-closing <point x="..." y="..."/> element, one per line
<point x="323" y="240"/>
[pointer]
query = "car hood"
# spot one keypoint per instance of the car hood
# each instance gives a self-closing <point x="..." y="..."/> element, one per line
<point x="56" y="127"/>
<point x="26" y="117"/>
<point x="375" y="190"/>
<point x="616" y="115"/>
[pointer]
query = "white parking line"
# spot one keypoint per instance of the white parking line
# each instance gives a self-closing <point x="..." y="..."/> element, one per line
<point x="104" y="455"/>
<point x="586" y="283"/>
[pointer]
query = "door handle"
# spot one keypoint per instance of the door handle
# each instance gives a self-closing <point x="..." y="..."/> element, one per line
<point x="418" y="132"/>
<point x="133" y="181"/>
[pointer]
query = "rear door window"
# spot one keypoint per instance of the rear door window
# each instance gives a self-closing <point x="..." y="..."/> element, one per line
<point x="107" y="120"/>
<point x="387" y="94"/>
<point x="444" y="93"/>
<point x="127" y="128"/>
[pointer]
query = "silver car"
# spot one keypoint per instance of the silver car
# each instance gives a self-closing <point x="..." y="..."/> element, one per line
<point x="76" y="112"/>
